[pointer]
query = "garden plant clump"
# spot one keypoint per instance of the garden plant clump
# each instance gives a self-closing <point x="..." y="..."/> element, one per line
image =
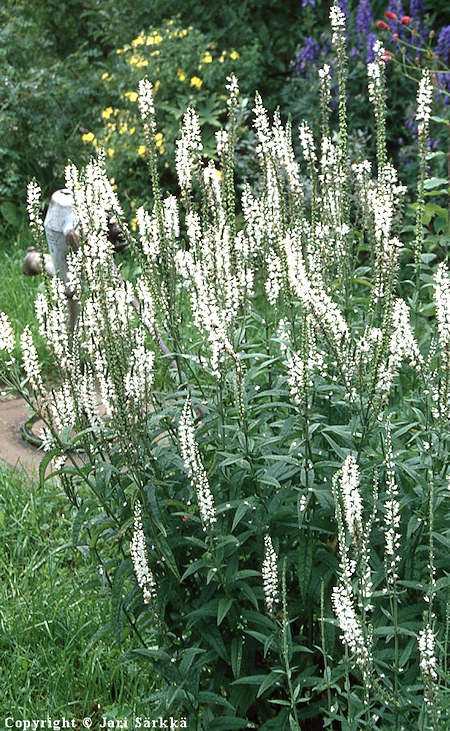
<point x="253" y="433"/>
<point x="415" y="38"/>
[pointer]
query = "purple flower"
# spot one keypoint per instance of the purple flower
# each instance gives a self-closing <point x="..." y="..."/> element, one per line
<point x="307" y="56"/>
<point x="343" y="4"/>
<point x="370" y="56"/>
<point x="305" y="3"/>
<point x="416" y="9"/>
<point x="364" y="18"/>
<point x="395" y="6"/>
<point x="411" y="125"/>
<point x="444" y="84"/>
<point x="443" y="45"/>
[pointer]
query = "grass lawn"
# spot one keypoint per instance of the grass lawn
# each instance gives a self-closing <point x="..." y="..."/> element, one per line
<point x="50" y="663"/>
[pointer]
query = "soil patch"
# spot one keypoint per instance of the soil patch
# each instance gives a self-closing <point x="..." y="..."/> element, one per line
<point x="14" y="450"/>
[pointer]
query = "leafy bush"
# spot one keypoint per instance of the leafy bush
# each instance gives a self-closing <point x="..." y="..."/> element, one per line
<point x="186" y="70"/>
<point x="266" y="477"/>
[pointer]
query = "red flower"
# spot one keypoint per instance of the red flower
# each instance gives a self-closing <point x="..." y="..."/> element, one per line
<point x="391" y="16"/>
<point x="382" y="25"/>
<point x="405" y="20"/>
<point x="386" y="56"/>
<point x="185" y="517"/>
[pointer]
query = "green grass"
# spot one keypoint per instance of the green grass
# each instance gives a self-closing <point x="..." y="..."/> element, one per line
<point x="18" y="292"/>
<point x="49" y="663"/>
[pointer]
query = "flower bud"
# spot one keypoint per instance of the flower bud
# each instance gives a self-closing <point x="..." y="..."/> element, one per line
<point x="391" y="16"/>
<point x="405" y="20"/>
<point x="382" y="25"/>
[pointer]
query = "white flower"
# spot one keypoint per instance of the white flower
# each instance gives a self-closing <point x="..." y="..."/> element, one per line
<point x="221" y="142"/>
<point x="7" y="339"/>
<point x="424" y="99"/>
<point x="194" y="467"/>
<point x="350" y="624"/>
<point x="337" y="20"/>
<point x="428" y="663"/>
<point x="270" y="575"/>
<point x="146" y="105"/>
<point x="392" y="515"/>
<point x="402" y="344"/>
<point x="274" y="279"/>
<point x="139" y="377"/>
<point x="33" y="203"/>
<point x="188" y="148"/>
<point x="442" y="298"/>
<point x="351" y="498"/>
<point x="233" y="90"/>
<point x="307" y="142"/>
<point x="144" y="576"/>
<point x="31" y="361"/>
<point x="325" y="80"/>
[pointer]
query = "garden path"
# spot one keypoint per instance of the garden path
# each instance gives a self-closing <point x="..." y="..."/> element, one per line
<point x="14" y="450"/>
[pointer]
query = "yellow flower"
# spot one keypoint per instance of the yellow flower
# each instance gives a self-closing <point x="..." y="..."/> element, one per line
<point x="110" y="152"/>
<point x="132" y="130"/>
<point x="123" y="128"/>
<point x="195" y="81"/>
<point x="155" y="53"/>
<point x="133" y="224"/>
<point x="139" y="41"/>
<point x="183" y="33"/>
<point x="138" y="61"/>
<point x="107" y="112"/>
<point x="106" y="76"/>
<point x="218" y="174"/>
<point x="153" y="39"/>
<point x="207" y="58"/>
<point x="141" y="150"/>
<point x="234" y="55"/>
<point x="88" y="137"/>
<point x="181" y="75"/>
<point x="131" y="95"/>
<point x="156" y="86"/>
<point x="158" y="139"/>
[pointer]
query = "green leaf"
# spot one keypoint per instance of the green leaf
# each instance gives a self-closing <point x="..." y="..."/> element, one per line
<point x="124" y="570"/>
<point x="223" y="609"/>
<point x="434" y="183"/>
<point x="213" y="637"/>
<point x="236" y="655"/>
<point x="206" y="696"/>
<point x="239" y="514"/>
<point x="406" y="654"/>
<point x="189" y="656"/>
<point x="249" y="680"/>
<point x="269" y="682"/>
<point x="78" y="522"/>
<point x="45" y="461"/>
